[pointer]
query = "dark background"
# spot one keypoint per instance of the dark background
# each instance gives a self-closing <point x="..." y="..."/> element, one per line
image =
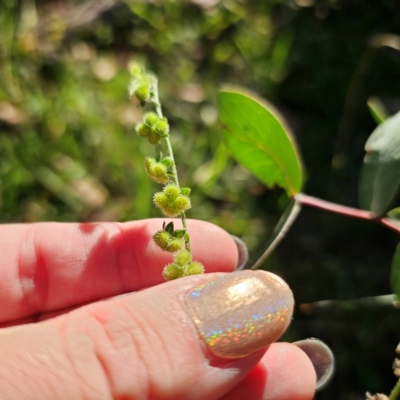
<point x="68" y="150"/>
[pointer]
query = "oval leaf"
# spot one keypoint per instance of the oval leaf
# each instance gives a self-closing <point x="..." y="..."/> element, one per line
<point x="256" y="136"/>
<point x="380" y="174"/>
<point x="395" y="275"/>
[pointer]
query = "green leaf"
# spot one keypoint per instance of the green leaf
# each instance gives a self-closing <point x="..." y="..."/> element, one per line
<point x="185" y="191"/>
<point x="159" y="157"/>
<point x="380" y="174"/>
<point x="179" y="233"/>
<point x="170" y="228"/>
<point x="377" y="110"/>
<point x="395" y="275"/>
<point x="258" y="139"/>
<point x="167" y="161"/>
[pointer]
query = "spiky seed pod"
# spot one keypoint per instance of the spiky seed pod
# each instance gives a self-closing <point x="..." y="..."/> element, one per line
<point x="170" y="211"/>
<point x="182" y="203"/>
<point x="150" y="119"/>
<point x="171" y="191"/>
<point x="182" y="257"/>
<point x="149" y="163"/>
<point x="159" y="173"/>
<point x="174" y="245"/>
<point x="162" y="239"/>
<point x="142" y="92"/>
<point x="154" y="138"/>
<point x="162" y="128"/>
<point x="195" y="268"/>
<point x="156" y="171"/>
<point x="171" y="272"/>
<point x="170" y="205"/>
<point x="160" y="200"/>
<point x="143" y="130"/>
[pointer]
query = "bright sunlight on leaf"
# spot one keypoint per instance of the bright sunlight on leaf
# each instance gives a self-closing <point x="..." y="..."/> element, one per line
<point x="380" y="175"/>
<point x="395" y="276"/>
<point x="259" y="140"/>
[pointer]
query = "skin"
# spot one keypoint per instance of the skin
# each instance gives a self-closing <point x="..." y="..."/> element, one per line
<point x="71" y="328"/>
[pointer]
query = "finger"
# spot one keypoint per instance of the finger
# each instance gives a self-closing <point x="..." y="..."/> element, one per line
<point x="284" y="372"/>
<point x="150" y="344"/>
<point x="50" y="266"/>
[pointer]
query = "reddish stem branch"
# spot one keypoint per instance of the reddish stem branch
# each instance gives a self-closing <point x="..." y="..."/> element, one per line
<point x="306" y="200"/>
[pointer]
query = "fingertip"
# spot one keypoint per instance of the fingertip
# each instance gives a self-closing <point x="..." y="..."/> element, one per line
<point x="93" y="261"/>
<point x="283" y="373"/>
<point x="222" y="253"/>
<point x="291" y="374"/>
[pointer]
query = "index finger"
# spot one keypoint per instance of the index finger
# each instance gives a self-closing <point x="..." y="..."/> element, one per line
<point x="48" y="266"/>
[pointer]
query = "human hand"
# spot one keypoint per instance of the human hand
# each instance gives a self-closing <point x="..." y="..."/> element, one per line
<point x="66" y="334"/>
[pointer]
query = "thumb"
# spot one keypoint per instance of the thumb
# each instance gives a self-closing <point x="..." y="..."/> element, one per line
<point x="193" y="338"/>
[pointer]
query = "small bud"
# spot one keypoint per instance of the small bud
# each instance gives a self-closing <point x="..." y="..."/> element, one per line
<point x="182" y="257"/>
<point x="162" y="128"/>
<point x="185" y="191"/>
<point x="195" y="268"/>
<point x="162" y="239"/>
<point x="171" y="191"/>
<point x="150" y="119"/>
<point x="167" y="161"/>
<point x="154" y="138"/>
<point x="174" y="245"/>
<point x="171" y="272"/>
<point x="143" y="130"/>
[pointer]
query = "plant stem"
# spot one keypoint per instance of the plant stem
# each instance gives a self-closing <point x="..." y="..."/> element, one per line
<point x="284" y="224"/>
<point x="302" y="199"/>
<point x="388" y="300"/>
<point x="157" y="106"/>
<point x="306" y="200"/>
<point x="395" y="392"/>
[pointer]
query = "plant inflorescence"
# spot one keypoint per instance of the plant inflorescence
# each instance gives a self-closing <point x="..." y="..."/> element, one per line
<point x="173" y="200"/>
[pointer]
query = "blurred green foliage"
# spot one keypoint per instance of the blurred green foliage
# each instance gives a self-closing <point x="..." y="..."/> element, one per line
<point x="68" y="150"/>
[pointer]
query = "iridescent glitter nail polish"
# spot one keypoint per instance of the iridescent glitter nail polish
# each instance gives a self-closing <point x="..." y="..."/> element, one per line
<point x="241" y="312"/>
